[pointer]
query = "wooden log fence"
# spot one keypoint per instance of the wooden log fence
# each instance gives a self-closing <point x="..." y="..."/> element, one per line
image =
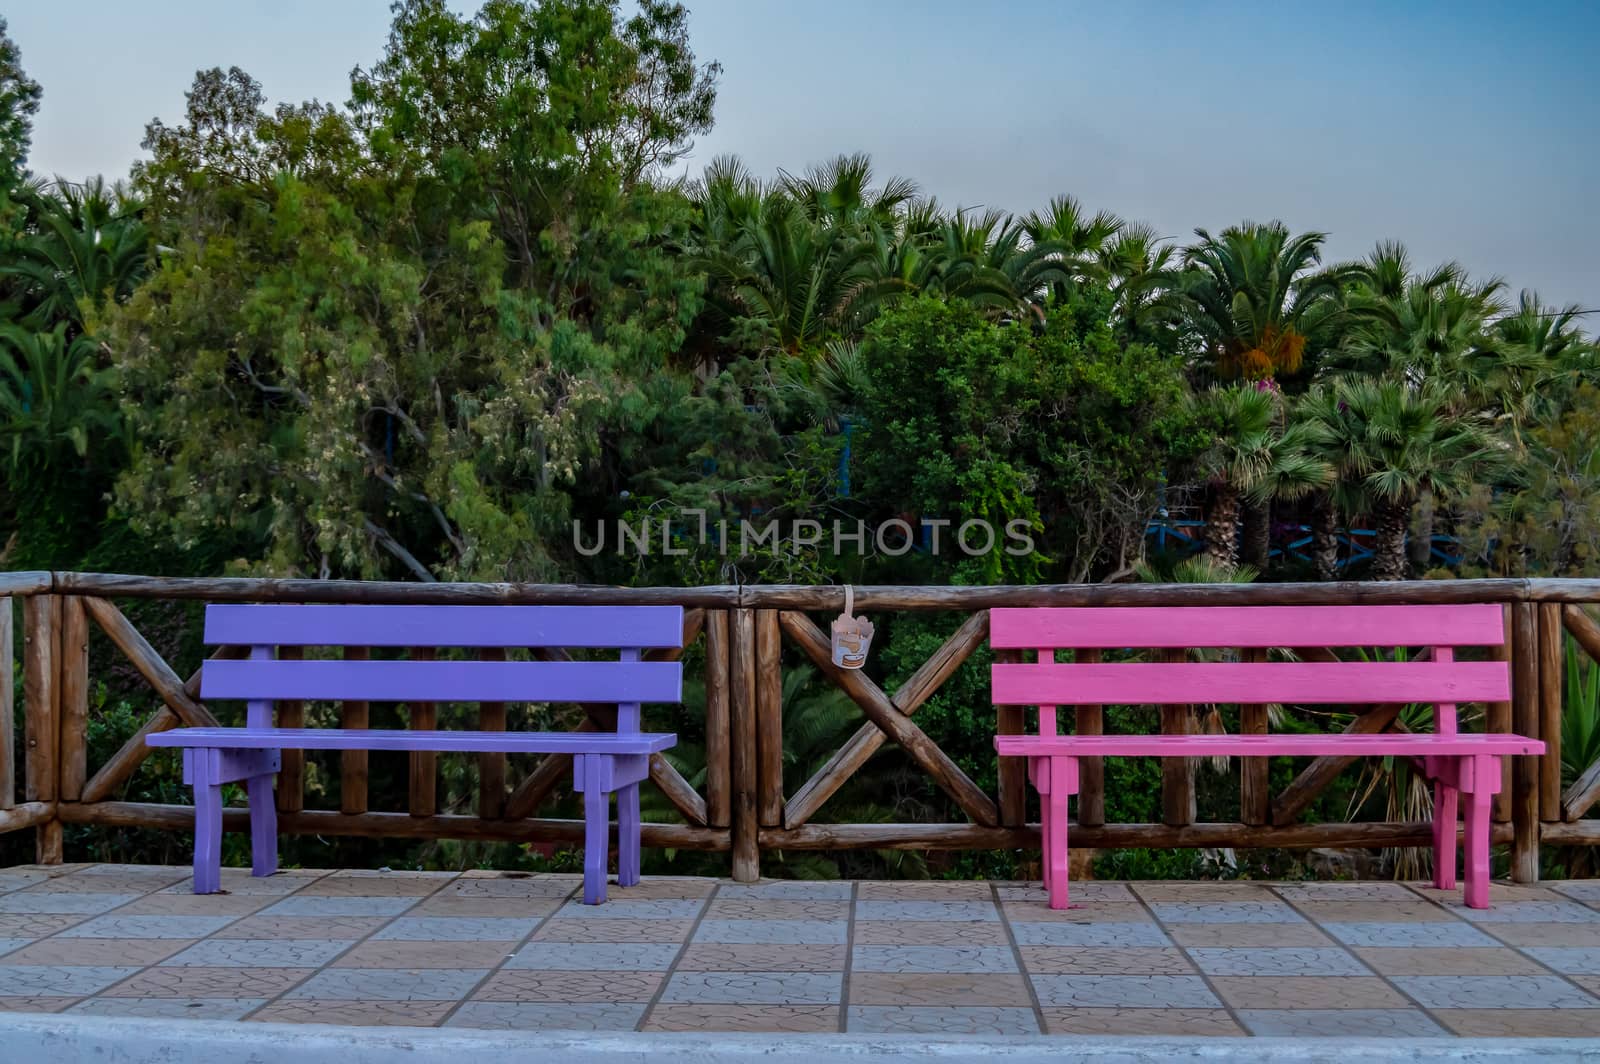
<point x="742" y="639"/>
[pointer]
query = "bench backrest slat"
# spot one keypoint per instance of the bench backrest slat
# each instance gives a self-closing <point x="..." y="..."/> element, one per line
<point x="446" y="681"/>
<point x="1117" y="627"/>
<point x="646" y="627"/>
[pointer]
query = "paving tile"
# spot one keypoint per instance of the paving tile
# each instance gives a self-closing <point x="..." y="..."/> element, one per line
<point x="1355" y="912"/>
<point x="1243" y="936"/>
<point x="8" y="945"/>
<point x="1583" y="890"/>
<point x="1519" y="1023"/>
<point x="456" y="929"/>
<point x="900" y="988"/>
<point x="37" y="925"/>
<point x="1276" y="961"/>
<point x="570" y="986"/>
<point x="573" y="930"/>
<point x="33" y="902"/>
<point x="1225" y="912"/>
<point x="715" y="957"/>
<point x="1496" y="992"/>
<point x="195" y="982"/>
<point x="357" y="1013"/>
<point x="1308" y="992"/>
<point x="118" y="926"/>
<point x="524" y="888"/>
<point x="1529" y="912"/>
<point x="1178" y="891"/>
<point x="1498" y="893"/>
<point x="387" y="953"/>
<point x="754" y="988"/>
<point x="1421" y="960"/>
<point x="666" y="909"/>
<point x="533" y="1016"/>
<point x="1094" y="960"/>
<point x="80" y="883"/>
<point x="774" y="909"/>
<point x="174" y="1008"/>
<point x="304" y="905"/>
<point x="1340" y="1023"/>
<point x="1186" y="1023"/>
<point x="1591" y="983"/>
<point x="966" y="911"/>
<point x="258" y="953"/>
<point x="395" y="885"/>
<point x="595" y="956"/>
<point x="1082" y="891"/>
<point x="1344" y="891"/>
<point x="493" y="908"/>
<point x="1109" y="935"/>
<point x="774" y="932"/>
<point x="12" y="1003"/>
<point x="919" y="1019"/>
<point x="1568" y="935"/>
<point x="933" y="959"/>
<point x="786" y="890"/>
<point x="1125" y="991"/>
<point x="170" y="872"/>
<point x="96" y="951"/>
<point x="662" y="888"/>
<point x="241" y="881"/>
<point x="797" y="1019"/>
<point x="302" y="927"/>
<point x="232" y="905"/>
<point x="17" y="879"/>
<point x="1084" y="912"/>
<point x="1429" y="935"/>
<point x="38" y="980"/>
<point x="1579" y="960"/>
<point x="945" y="890"/>
<point x="929" y="933"/>
<point x="388" y="984"/>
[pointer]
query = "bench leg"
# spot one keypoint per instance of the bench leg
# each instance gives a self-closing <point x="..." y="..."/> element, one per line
<point x="207" y="821"/>
<point x="1039" y="774"/>
<point x="263" y="826"/>
<point x="596" y="829"/>
<point x="628" y="827"/>
<point x="1062" y="784"/>
<point x="1484" y="769"/>
<point x="1444" y="834"/>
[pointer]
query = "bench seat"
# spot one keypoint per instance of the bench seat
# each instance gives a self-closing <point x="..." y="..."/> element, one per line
<point x="1403" y="744"/>
<point x="443" y="742"/>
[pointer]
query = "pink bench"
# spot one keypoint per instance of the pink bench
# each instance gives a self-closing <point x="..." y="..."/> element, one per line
<point x="1458" y="764"/>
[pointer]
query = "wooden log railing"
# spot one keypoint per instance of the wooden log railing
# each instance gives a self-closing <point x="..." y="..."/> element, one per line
<point x="743" y="638"/>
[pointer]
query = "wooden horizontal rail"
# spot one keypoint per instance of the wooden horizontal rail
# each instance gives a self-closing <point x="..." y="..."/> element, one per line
<point x="1107" y="836"/>
<point x="26" y="815"/>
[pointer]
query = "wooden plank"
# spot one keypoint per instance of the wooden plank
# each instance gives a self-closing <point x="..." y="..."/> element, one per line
<point x="1525" y="721"/>
<point x="40" y="695"/>
<point x="860" y="747"/>
<point x="1581" y="796"/>
<point x="457" y="742"/>
<point x="446" y="626"/>
<point x="1255" y="787"/>
<point x="1179" y="627"/>
<point x="1582" y="628"/>
<point x="26" y="582"/>
<point x="1497" y="718"/>
<point x="1552" y="667"/>
<point x="1345" y="744"/>
<point x="1166" y="683"/>
<point x="492" y="766"/>
<point x="899" y="727"/>
<point x="1012" y="771"/>
<point x="354" y="715"/>
<point x="1091" y="770"/>
<point x="742" y="742"/>
<point x="74" y="671"/>
<point x="1315" y="777"/>
<point x="769" y="718"/>
<point x="719" y="779"/>
<point x="1177" y="773"/>
<point x="8" y="707"/>
<point x="422" y="795"/>
<point x="156" y="672"/>
<point x="448" y="681"/>
<point x="26" y="815"/>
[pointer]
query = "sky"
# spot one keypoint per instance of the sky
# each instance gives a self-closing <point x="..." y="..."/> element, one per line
<point x="1466" y="130"/>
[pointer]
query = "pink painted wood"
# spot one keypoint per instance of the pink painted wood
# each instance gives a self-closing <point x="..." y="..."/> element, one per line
<point x="1458" y="764"/>
<point x="1177" y="627"/>
<point x="1314" y="683"/>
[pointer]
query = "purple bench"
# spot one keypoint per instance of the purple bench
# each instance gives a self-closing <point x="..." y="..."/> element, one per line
<point x="602" y="762"/>
<point x="1458" y="764"/>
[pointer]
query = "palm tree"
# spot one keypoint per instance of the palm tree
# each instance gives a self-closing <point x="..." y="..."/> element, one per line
<point x="86" y="244"/>
<point x="53" y="397"/>
<point x="1398" y="441"/>
<point x="1255" y="297"/>
<point x="1138" y="264"/>
<point x="1252" y="457"/>
<point x="1321" y="413"/>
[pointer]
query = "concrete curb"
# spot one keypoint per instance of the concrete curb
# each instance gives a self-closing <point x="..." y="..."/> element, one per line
<point x="54" y="1039"/>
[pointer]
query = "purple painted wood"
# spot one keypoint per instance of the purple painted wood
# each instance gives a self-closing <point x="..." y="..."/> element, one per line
<point x="441" y="741"/>
<point x="200" y="766"/>
<point x="596" y="828"/>
<point x="1381" y="744"/>
<point x="1184" y="683"/>
<point x="445" y="681"/>
<point x="1117" y="627"/>
<point x="445" y="626"/>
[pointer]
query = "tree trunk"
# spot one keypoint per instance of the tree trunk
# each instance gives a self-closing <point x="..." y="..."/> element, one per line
<point x="1222" y="527"/>
<point x="1257" y="533"/>
<point x="1325" y="538"/>
<point x="1422" y="535"/>
<point x="1389" y="552"/>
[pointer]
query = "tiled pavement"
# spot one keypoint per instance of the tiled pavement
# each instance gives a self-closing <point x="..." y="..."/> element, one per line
<point x="492" y="950"/>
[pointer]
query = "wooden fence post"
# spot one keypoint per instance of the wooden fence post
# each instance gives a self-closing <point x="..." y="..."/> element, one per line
<point x="742" y="735"/>
<point x="1012" y="771"/>
<point x="1550" y="690"/>
<point x="769" y="718"/>
<point x="1525" y="721"/>
<point x="41" y="718"/>
<point x="1090" y="720"/>
<point x="719" y="779"/>
<point x="8" y="709"/>
<point x="73" y="668"/>
<point x="1498" y="720"/>
<point x="353" y="764"/>
<point x="422" y="797"/>
<point x="1177" y="773"/>
<point x="1255" y="781"/>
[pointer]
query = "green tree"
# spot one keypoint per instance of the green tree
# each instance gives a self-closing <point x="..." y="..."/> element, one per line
<point x="19" y="102"/>
<point x="86" y="244"/>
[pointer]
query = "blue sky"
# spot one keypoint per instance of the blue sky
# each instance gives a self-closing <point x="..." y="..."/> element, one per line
<point x="1470" y="131"/>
